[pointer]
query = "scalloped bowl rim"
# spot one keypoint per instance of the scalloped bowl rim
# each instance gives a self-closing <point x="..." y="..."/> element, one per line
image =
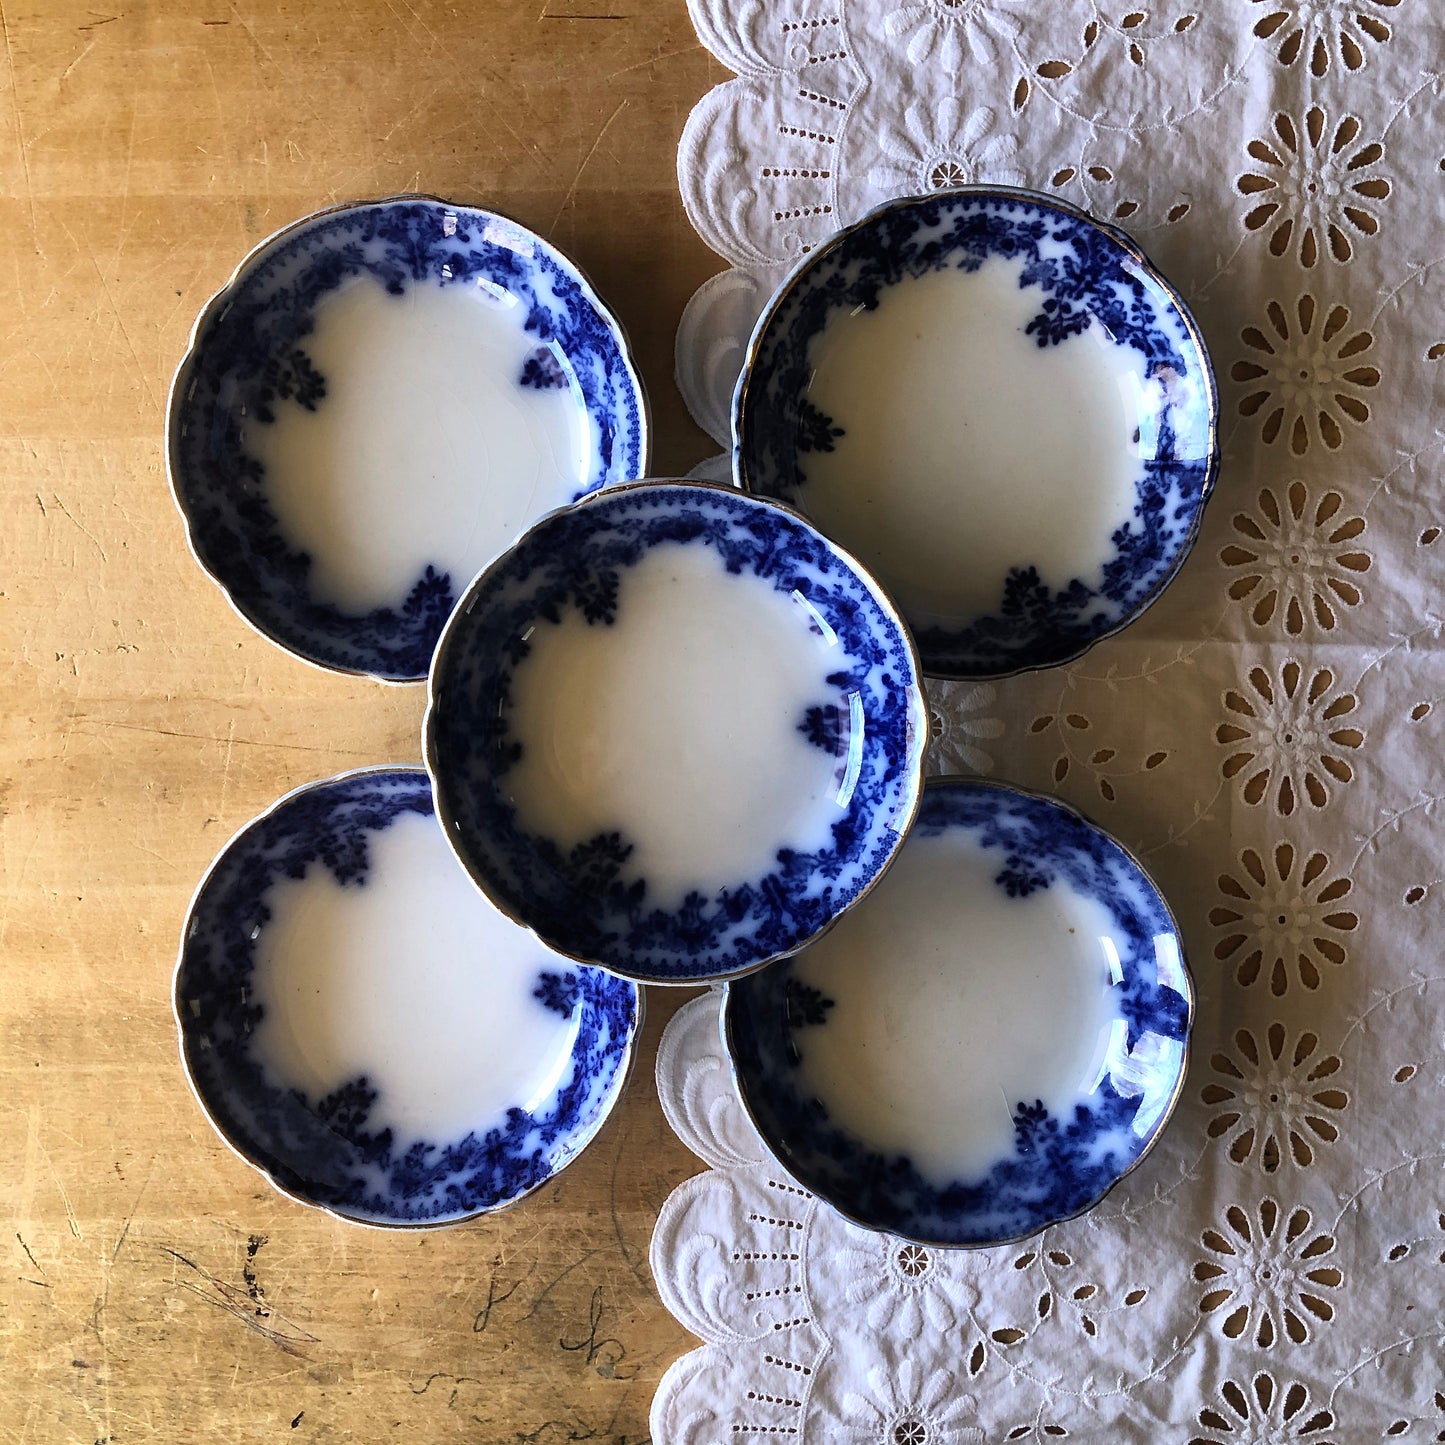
<point x="917" y="746"/>
<point x="620" y="1086"/>
<point x="953" y="780"/>
<point x="796" y="276"/>
<point x="221" y="297"/>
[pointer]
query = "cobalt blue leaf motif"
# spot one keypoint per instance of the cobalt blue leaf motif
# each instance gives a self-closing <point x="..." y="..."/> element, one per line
<point x="542" y="371"/>
<point x="1059" y="1165"/>
<point x="1019" y="877"/>
<point x="1086" y="276"/>
<point x="290" y="377"/>
<point x="827" y="727"/>
<point x="558" y="992"/>
<point x="816" y="430"/>
<point x="333" y="1150"/>
<point x="249" y="356"/>
<point x="806" y="1005"/>
<point x="583" y="902"/>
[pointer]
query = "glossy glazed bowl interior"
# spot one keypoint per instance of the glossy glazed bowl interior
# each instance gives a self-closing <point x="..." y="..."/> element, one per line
<point x="342" y="514"/>
<point x="863" y="725"/>
<point x="911" y="1038"/>
<point x="1001" y="328"/>
<point x="280" y="977"/>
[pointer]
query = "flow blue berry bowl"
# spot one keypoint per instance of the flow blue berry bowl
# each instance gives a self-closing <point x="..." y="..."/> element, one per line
<point x="303" y="455"/>
<point x="320" y="1050"/>
<point x="1018" y="441"/>
<point x="895" y="1067"/>
<point x="856" y="722"/>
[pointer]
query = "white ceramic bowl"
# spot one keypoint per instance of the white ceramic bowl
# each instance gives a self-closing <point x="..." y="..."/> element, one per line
<point x="675" y="731"/>
<point x="999" y="406"/>
<point x="364" y="1028"/>
<point x="378" y="402"/>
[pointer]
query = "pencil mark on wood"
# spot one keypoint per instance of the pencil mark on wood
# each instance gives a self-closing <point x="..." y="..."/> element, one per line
<point x="607" y="1349"/>
<point x="633" y="1262"/>
<point x="457" y="1382"/>
<point x="484" y="1315"/>
<point x="140" y="1194"/>
<point x="248" y="1271"/>
<point x="537" y="1303"/>
<point x="617" y="1411"/>
<point x="576" y="1430"/>
<point x="531" y="1437"/>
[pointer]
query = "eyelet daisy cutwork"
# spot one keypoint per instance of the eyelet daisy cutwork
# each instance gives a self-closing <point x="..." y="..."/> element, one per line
<point x="904" y="1406"/>
<point x="947" y="32"/>
<point x="900" y="1286"/>
<point x="1306" y="374"/>
<point x="1314" y="185"/>
<point x="1266" y="1272"/>
<point x="1300" y="562"/>
<point x="940" y="146"/>
<point x="959" y="723"/>
<point x="1283" y="918"/>
<point x="1287" y="736"/>
<point x="1262" y="1411"/>
<point x="1274" y="1097"/>
<point x="1321" y="32"/>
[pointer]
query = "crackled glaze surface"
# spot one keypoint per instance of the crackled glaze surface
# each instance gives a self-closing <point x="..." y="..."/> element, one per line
<point x="383" y="397"/>
<point x="675" y="731"/>
<point x="998" y="404"/>
<point x="988" y="1042"/>
<point x="365" y="1028"/>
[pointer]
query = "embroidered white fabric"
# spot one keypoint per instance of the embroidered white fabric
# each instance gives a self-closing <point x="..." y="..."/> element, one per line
<point x="1268" y="737"/>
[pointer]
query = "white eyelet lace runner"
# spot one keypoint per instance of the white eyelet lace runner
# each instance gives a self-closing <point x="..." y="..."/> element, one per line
<point x="1268" y="737"/>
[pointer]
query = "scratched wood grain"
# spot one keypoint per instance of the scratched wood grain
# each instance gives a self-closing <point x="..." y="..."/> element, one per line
<point x="153" y="1287"/>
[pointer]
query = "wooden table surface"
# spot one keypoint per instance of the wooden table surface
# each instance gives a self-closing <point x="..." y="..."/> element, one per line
<point x="154" y="1287"/>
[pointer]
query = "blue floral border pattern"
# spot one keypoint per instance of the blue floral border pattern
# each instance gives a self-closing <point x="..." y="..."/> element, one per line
<point x="332" y="1151"/>
<point x="1059" y="1166"/>
<point x="1088" y="274"/>
<point x="248" y="353"/>
<point x="580" y="902"/>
